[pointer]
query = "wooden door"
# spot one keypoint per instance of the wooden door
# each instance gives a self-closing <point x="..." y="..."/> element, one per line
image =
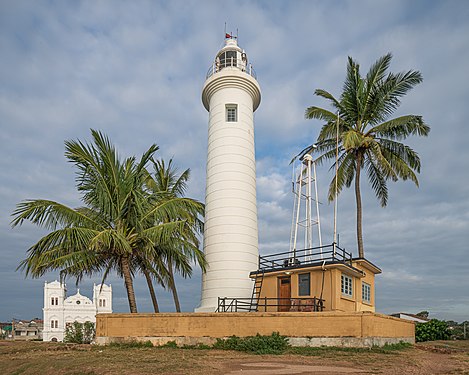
<point x="284" y="293"/>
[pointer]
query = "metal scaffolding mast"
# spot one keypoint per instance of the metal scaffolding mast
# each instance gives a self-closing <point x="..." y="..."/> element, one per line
<point x="305" y="193"/>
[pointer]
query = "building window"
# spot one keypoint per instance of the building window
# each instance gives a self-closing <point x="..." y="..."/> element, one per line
<point x="346" y="285"/>
<point x="54" y="324"/>
<point x="231" y="113"/>
<point x="102" y="303"/>
<point x="366" y="292"/>
<point x="52" y="301"/>
<point x="304" y="284"/>
<point x="56" y="301"/>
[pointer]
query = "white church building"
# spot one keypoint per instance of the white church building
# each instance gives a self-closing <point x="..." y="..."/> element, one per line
<point x="60" y="310"/>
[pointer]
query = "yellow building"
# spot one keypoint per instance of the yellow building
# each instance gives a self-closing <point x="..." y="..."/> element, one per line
<point x="325" y="278"/>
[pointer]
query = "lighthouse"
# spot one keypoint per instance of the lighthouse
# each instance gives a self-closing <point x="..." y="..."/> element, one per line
<point x="231" y="95"/>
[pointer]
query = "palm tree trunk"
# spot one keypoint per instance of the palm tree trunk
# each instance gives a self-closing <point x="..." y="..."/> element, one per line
<point x="152" y="291"/>
<point x="129" y="285"/>
<point x="172" y="285"/>
<point x="358" y="198"/>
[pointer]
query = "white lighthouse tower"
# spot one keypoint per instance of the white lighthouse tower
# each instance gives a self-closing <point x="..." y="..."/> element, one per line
<point x="231" y="94"/>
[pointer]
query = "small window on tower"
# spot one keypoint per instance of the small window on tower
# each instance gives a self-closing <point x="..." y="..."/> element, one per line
<point x="231" y="113"/>
<point x="104" y="303"/>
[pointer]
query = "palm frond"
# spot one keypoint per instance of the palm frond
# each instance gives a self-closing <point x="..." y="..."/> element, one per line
<point x="345" y="175"/>
<point x="401" y="127"/>
<point x="378" y="182"/>
<point x="51" y="215"/>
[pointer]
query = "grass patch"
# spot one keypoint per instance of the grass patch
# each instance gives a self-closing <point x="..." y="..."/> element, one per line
<point x="173" y="345"/>
<point x="131" y="344"/>
<point x="312" y="351"/>
<point x="197" y="347"/>
<point x="22" y="369"/>
<point x="401" y="345"/>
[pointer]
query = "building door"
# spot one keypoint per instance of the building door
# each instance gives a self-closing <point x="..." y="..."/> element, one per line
<point x="284" y="293"/>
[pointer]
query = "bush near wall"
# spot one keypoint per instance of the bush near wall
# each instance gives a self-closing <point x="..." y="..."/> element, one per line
<point x="80" y="333"/>
<point x="433" y="330"/>
<point x="259" y="344"/>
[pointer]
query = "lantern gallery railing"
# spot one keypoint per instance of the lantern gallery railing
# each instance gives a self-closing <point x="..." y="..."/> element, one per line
<point x="305" y="257"/>
<point x="269" y="304"/>
<point x="231" y="62"/>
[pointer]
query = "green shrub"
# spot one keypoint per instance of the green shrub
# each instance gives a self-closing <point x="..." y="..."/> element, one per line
<point x="273" y="344"/>
<point x="433" y="330"/>
<point x="170" y="344"/>
<point x="80" y="333"/>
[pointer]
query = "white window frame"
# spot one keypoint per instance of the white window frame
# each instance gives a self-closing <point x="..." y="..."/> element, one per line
<point x="231" y="113"/>
<point x="346" y="285"/>
<point x="366" y="292"/>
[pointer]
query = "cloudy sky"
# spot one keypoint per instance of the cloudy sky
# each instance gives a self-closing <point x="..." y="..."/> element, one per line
<point x="135" y="70"/>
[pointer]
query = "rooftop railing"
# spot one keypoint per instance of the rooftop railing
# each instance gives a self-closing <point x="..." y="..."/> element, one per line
<point x="218" y="66"/>
<point x="265" y="304"/>
<point x="305" y="257"/>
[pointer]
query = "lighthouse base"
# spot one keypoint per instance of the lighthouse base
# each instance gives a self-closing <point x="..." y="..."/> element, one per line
<point x="205" y="309"/>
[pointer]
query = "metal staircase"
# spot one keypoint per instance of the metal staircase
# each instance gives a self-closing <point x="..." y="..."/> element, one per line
<point x="256" y="292"/>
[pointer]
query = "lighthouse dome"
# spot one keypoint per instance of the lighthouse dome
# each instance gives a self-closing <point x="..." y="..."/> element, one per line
<point x="231" y="56"/>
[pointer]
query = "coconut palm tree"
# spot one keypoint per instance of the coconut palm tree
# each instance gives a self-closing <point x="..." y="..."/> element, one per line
<point x="116" y="225"/>
<point x="179" y="253"/>
<point x="368" y="137"/>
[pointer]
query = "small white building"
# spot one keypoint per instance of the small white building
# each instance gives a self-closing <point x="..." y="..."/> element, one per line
<point x="413" y="317"/>
<point x="60" y="310"/>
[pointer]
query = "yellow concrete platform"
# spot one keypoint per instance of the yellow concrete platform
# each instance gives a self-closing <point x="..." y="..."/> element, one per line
<point x="358" y="329"/>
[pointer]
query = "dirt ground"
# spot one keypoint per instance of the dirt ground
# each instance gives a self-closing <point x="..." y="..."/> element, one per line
<point x="445" y="357"/>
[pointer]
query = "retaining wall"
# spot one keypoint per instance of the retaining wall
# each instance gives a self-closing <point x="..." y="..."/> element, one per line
<point x="358" y="329"/>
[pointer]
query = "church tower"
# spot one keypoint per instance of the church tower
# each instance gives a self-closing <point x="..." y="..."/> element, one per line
<point x="230" y="94"/>
<point x="102" y="298"/>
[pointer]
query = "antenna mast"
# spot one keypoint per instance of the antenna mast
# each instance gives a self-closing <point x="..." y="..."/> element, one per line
<point x="304" y="181"/>
<point x="336" y="173"/>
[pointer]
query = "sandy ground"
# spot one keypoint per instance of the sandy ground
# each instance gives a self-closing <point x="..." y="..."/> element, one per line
<point x="49" y="358"/>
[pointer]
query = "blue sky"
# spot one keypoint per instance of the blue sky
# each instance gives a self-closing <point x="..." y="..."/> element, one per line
<point x="135" y="71"/>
